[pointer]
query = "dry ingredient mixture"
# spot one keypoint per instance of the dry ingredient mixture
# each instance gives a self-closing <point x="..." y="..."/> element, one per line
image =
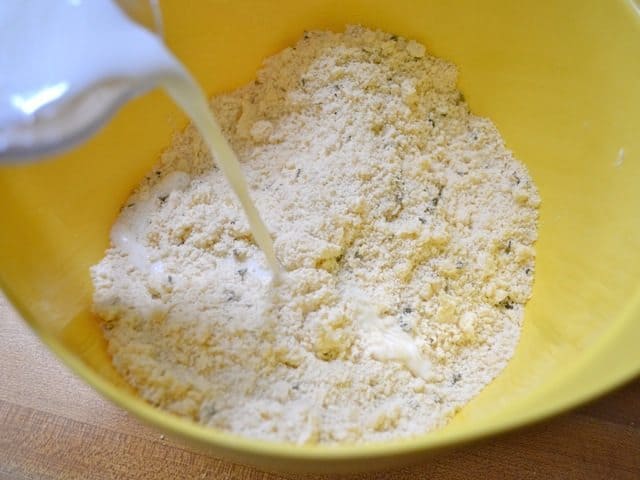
<point x="405" y="226"/>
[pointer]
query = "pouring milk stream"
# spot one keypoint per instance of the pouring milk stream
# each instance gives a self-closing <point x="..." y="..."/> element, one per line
<point x="70" y="59"/>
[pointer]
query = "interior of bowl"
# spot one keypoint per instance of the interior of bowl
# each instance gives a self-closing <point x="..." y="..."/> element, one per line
<point x="559" y="79"/>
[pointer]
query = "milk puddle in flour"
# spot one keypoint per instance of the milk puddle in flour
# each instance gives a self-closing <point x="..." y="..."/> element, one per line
<point x="62" y="49"/>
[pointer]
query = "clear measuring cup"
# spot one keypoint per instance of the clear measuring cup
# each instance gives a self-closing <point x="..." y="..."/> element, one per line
<point x="50" y="122"/>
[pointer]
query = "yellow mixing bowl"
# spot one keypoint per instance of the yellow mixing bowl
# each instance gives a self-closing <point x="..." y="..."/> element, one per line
<point x="561" y="81"/>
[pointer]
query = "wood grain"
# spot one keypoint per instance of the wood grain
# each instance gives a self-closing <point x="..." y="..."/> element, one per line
<point x="52" y="426"/>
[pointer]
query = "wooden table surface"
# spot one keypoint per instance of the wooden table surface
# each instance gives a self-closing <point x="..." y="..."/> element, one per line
<point x="52" y="426"/>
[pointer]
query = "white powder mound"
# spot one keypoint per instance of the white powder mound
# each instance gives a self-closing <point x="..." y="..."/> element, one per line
<point x="404" y="224"/>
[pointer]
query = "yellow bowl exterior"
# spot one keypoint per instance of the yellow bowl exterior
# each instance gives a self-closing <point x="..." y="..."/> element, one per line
<point x="560" y="80"/>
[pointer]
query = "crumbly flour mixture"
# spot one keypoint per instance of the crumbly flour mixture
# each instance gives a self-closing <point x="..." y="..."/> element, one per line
<point x="405" y="226"/>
